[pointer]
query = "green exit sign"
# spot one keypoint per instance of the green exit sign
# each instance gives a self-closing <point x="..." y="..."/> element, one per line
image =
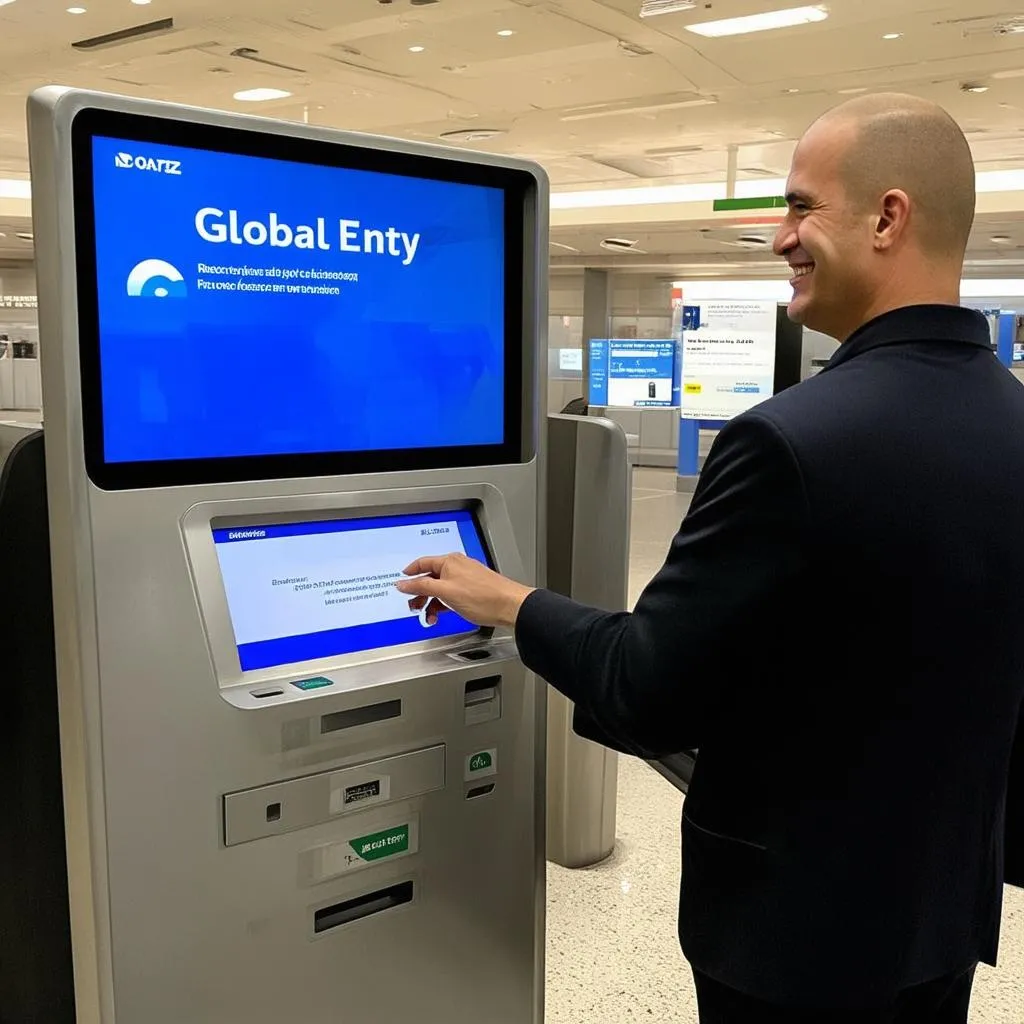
<point x="756" y="203"/>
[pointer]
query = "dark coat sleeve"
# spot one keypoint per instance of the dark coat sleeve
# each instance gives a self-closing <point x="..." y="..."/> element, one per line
<point x="650" y="682"/>
<point x="1015" y="811"/>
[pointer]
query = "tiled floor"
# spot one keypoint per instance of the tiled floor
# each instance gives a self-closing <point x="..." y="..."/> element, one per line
<point x="612" y="950"/>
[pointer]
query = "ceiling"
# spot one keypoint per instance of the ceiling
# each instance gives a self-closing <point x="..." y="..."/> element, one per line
<point x="600" y="96"/>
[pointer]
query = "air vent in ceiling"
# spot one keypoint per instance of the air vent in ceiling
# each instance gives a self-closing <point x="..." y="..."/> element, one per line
<point x="125" y="35"/>
<point x="634" y="49"/>
<point x="621" y="245"/>
<point x="651" y="8"/>
<point x="472" y="134"/>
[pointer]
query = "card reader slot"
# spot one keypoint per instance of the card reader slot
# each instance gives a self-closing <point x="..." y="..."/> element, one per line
<point x="479" y="691"/>
<point x="365" y="715"/>
<point x="362" y="906"/>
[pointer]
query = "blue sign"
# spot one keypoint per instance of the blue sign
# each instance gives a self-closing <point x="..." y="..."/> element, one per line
<point x="258" y="307"/>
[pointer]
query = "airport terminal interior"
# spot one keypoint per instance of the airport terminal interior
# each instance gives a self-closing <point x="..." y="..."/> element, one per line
<point x="568" y="207"/>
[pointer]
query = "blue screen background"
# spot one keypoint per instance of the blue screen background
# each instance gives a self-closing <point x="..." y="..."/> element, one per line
<point x="408" y="357"/>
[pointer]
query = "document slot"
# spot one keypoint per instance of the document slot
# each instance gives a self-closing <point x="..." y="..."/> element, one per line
<point x="366" y="715"/>
<point x="482" y="700"/>
<point x="362" y="906"/>
<point x="298" y="803"/>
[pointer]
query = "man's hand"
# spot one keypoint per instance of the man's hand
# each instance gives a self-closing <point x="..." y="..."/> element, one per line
<point x="467" y="587"/>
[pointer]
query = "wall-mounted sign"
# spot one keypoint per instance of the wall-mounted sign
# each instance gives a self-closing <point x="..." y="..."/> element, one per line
<point x="18" y="302"/>
<point x="728" y="358"/>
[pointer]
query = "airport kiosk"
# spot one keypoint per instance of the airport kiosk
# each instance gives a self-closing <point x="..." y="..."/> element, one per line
<point x="279" y="362"/>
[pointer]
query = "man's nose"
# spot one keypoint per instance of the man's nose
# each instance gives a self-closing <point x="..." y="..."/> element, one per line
<point x="785" y="239"/>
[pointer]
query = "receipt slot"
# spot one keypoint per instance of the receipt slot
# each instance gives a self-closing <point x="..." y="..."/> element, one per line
<point x="286" y="797"/>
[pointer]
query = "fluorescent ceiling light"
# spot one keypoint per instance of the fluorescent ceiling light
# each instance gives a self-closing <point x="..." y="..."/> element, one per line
<point x="893" y="35"/>
<point x="647" y="108"/>
<point x="76" y="10"/>
<point x="759" y="22"/>
<point x="416" y="49"/>
<point x="15" y="188"/>
<point x="780" y="290"/>
<point x="261" y="95"/>
<point x="652" y="8"/>
<point x="1000" y="181"/>
<point x="506" y="32"/>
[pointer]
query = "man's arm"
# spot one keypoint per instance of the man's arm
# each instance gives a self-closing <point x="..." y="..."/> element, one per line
<point x="657" y="678"/>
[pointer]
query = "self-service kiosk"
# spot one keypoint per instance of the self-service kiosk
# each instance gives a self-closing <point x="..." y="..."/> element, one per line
<point x="279" y="363"/>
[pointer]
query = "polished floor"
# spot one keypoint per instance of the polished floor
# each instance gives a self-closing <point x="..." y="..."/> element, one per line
<point x="613" y="957"/>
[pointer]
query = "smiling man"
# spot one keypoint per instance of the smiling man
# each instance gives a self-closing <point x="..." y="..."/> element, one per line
<point x="834" y="623"/>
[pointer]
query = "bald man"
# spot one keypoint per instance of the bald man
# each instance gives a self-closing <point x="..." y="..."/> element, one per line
<point x="835" y="625"/>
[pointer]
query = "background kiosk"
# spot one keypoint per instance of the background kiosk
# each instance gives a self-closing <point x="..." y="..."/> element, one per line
<point x="285" y="798"/>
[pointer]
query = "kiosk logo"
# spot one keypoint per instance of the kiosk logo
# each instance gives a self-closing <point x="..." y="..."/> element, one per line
<point x="147" y="163"/>
<point x="156" y="279"/>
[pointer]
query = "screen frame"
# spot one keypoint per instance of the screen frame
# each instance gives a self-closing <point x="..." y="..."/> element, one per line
<point x="471" y="509"/>
<point x="520" y="188"/>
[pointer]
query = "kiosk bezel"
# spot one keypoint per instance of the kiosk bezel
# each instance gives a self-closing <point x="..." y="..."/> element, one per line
<point x="358" y="153"/>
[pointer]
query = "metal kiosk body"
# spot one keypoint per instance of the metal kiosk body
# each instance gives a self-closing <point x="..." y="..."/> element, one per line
<point x="268" y="819"/>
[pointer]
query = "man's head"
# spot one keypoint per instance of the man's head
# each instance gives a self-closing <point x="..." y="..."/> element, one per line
<point x="881" y="203"/>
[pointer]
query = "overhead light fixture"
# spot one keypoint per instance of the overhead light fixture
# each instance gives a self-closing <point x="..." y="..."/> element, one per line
<point x="15" y="188"/>
<point x="76" y="10"/>
<point x="4" y="3"/>
<point x="1001" y="240"/>
<point x="261" y="95"/>
<point x="565" y="246"/>
<point x="3" y="234"/>
<point x="789" y="18"/>
<point x="506" y="32"/>
<point x="893" y="35"/>
<point x="790" y="91"/>
<point x="25" y="236"/>
<point x="652" y="8"/>
<point x="416" y="49"/>
<point x="973" y="87"/>
<point x="141" y="3"/>
<point x="853" y="90"/>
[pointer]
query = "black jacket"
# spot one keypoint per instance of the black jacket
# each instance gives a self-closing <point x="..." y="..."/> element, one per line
<point x="836" y="628"/>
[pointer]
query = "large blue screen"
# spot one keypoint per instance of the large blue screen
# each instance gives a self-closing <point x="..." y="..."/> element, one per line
<point x="251" y="307"/>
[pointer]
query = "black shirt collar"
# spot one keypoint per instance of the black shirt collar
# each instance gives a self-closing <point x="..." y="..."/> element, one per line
<point x="916" y="323"/>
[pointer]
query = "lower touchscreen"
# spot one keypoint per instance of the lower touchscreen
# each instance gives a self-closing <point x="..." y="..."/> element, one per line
<point x="302" y="591"/>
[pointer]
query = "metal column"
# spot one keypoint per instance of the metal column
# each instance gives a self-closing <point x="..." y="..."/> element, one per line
<point x="588" y="560"/>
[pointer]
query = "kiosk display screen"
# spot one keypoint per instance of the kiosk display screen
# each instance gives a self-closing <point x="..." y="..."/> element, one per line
<point x="258" y="306"/>
<point x="303" y="591"/>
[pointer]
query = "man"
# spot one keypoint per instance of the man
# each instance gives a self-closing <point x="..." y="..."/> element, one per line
<point x="834" y="625"/>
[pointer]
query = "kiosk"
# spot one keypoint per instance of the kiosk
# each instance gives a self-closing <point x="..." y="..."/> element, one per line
<point x="280" y="362"/>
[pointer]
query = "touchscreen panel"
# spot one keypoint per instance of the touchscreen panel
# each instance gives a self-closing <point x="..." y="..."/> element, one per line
<point x="303" y="591"/>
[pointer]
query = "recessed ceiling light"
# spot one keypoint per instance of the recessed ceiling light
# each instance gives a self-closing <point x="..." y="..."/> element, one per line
<point x="893" y="35"/>
<point x="788" y="18"/>
<point x="973" y="87"/>
<point x="1001" y="240"/>
<point x="790" y="91"/>
<point x="3" y="234"/>
<point x="506" y="32"/>
<point x="416" y="49"/>
<point x="25" y="236"/>
<point x="4" y="3"/>
<point x="141" y="3"/>
<point x="261" y="95"/>
<point x="76" y="10"/>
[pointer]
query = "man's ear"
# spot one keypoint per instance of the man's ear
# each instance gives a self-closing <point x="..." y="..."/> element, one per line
<point x="893" y="217"/>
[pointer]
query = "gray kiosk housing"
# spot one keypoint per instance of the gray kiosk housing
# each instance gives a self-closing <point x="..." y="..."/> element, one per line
<point x="223" y="826"/>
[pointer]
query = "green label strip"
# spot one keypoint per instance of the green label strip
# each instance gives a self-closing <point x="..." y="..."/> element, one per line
<point x="379" y="845"/>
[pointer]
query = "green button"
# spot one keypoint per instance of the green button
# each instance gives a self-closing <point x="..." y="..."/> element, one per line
<point x="317" y="683"/>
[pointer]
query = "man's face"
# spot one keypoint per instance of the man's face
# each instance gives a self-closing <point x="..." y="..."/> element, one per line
<point x="827" y="243"/>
